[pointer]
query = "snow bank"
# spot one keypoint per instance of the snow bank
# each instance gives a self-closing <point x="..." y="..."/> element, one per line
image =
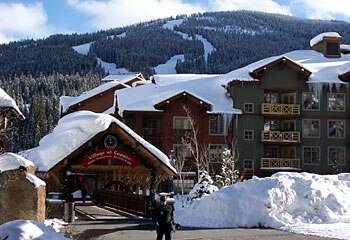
<point x="28" y="230"/>
<point x="280" y="201"/>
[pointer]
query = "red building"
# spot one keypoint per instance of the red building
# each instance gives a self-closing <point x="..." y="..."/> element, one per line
<point x="170" y="111"/>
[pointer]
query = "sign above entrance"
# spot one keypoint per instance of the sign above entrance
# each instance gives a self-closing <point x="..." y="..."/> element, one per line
<point x="113" y="154"/>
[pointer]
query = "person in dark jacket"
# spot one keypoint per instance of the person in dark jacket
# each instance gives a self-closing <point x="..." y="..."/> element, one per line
<point x="163" y="219"/>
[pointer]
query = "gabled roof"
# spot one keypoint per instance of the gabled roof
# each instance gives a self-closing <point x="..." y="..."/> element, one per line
<point x="284" y="61"/>
<point x="148" y="97"/>
<point x="186" y="95"/>
<point x="322" y="69"/>
<point x="67" y="102"/>
<point x="75" y="130"/>
<point x="7" y="102"/>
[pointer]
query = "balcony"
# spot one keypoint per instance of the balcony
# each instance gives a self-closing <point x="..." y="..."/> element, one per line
<point x="280" y="163"/>
<point x="280" y="137"/>
<point x="152" y="135"/>
<point x="280" y="109"/>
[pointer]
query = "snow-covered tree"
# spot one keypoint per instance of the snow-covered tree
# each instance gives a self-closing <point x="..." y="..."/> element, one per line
<point x="203" y="187"/>
<point x="229" y="173"/>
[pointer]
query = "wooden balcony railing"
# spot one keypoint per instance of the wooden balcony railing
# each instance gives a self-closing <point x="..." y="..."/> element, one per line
<point x="152" y="135"/>
<point x="280" y="109"/>
<point x="280" y="137"/>
<point x="281" y="163"/>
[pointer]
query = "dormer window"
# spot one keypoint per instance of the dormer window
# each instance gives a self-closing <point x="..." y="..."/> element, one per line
<point x="327" y="43"/>
<point x="332" y="49"/>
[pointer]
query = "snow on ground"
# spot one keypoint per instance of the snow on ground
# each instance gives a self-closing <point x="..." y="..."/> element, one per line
<point x="169" y="66"/>
<point x="295" y="202"/>
<point x="31" y="230"/>
<point x="108" y="67"/>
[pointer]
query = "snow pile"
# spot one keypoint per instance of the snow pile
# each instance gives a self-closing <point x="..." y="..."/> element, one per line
<point x="204" y="186"/>
<point x="282" y="201"/>
<point x="28" y="230"/>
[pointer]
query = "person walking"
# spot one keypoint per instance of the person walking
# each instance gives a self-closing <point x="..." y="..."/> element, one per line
<point x="163" y="218"/>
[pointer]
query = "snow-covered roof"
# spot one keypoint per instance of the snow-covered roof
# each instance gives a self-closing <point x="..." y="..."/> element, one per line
<point x="66" y="101"/>
<point x="7" y="101"/>
<point x="207" y="88"/>
<point x="73" y="131"/>
<point x="122" y="78"/>
<point x="345" y="47"/>
<point x="320" y="37"/>
<point x="166" y="79"/>
<point x="323" y="69"/>
<point x="10" y="161"/>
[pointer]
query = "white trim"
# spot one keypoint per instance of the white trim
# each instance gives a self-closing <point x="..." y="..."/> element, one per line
<point x="332" y="164"/>
<point x="221" y="119"/>
<point x="244" y="107"/>
<point x="250" y="160"/>
<point x="344" y="130"/>
<point x="319" y="128"/>
<point x="344" y="107"/>
<point x="222" y="145"/>
<point x="302" y="102"/>
<point x="244" y="136"/>
<point x="303" y="156"/>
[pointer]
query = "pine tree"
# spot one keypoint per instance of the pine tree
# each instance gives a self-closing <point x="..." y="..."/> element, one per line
<point x="204" y="186"/>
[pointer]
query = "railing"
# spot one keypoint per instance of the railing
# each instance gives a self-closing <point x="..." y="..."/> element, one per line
<point x="280" y="163"/>
<point x="280" y="109"/>
<point x="132" y="203"/>
<point x="152" y="135"/>
<point x="278" y="136"/>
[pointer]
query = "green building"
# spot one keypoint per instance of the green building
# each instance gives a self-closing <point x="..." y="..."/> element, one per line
<point x="295" y="110"/>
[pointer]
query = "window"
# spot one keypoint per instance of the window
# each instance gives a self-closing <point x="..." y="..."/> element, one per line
<point x="216" y="125"/>
<point x="336" y="128"/>
<point x="332" y="49"/>
<point x="311" y="128"/>
<point x="249" y="107"/>
<point x="271" y="152"/>
<point x="336" y="102"/>
<point x="311" y="155"/>
<point x="310" y="101"/>
<point x="271" y="125"/>
<point x="182" y="123"/>
<point x="186" y="183"/>
<point x="248" y="134"/>
<point x="248" y="164"/>
<point x="181" y="151"/>
<point x="271" y="97"/>
<point x="215" y="152"/>
<point x="336" y="156"/>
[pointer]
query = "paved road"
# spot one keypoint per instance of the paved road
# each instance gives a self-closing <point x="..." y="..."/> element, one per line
<point x="106" y="224"/>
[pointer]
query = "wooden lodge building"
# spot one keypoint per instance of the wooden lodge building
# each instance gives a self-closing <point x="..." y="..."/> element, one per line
<point x="9" y="112"/>
<point x="120" y="168"/>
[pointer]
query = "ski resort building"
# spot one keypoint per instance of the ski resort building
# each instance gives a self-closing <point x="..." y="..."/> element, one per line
<point x="295" y="110"/>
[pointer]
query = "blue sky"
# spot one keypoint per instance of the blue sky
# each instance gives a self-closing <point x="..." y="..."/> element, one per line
<point x="22" y="19"/>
